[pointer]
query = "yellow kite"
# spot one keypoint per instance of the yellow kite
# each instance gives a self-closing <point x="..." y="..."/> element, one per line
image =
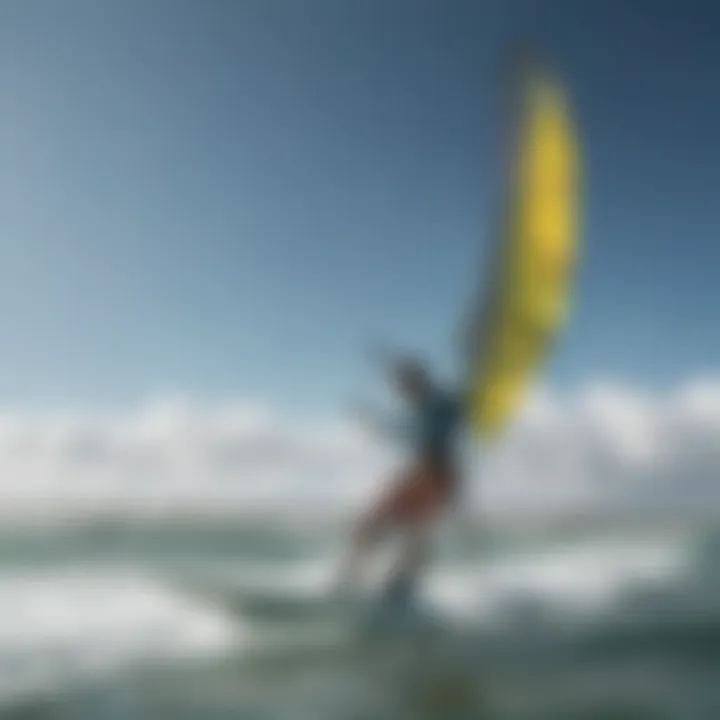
<point x="530" y="281"/>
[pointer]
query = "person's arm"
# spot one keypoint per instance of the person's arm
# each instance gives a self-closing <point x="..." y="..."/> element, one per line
<point x="385" y="425"/>
<point x="382" y="358"/>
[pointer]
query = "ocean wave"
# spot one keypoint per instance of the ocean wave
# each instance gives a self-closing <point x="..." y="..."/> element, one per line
<point x="580" y="579"/>
<point x="595" y="601"/>
<point x="66" y="629"/>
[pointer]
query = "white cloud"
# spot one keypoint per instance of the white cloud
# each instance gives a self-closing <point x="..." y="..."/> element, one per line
<point x="609" y="447"/>
<point x="602" y="447"/>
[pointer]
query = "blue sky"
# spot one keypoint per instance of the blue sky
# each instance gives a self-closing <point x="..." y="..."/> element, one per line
<point x="229" y="198"/>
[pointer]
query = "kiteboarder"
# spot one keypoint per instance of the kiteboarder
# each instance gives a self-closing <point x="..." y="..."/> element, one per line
<point x="424" y="487"/>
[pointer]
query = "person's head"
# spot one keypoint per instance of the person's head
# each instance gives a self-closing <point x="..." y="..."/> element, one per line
<point x="411" y="379"/>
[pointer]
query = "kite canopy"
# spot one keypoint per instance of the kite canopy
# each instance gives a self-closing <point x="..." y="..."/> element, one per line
<point x="530" y="281"/>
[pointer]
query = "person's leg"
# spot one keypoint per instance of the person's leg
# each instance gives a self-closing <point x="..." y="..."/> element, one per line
<point x="367" y="533"/>
<point x="385" y="514"/>
<point x="412" y="504"/>
<point x="425" y="501"/>
<point x="412" y="559"/>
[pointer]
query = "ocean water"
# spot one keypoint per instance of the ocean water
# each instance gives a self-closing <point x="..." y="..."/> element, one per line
<point x="213" y="621"/>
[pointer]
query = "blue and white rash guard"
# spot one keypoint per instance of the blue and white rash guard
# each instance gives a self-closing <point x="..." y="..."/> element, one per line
<point x="431" y="428"/>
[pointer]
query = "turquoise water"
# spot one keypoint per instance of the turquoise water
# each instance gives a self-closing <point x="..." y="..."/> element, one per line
<point x="208" y="621"/>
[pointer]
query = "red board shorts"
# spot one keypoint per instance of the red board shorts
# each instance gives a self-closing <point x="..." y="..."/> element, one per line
<point x="419" y="494"/>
